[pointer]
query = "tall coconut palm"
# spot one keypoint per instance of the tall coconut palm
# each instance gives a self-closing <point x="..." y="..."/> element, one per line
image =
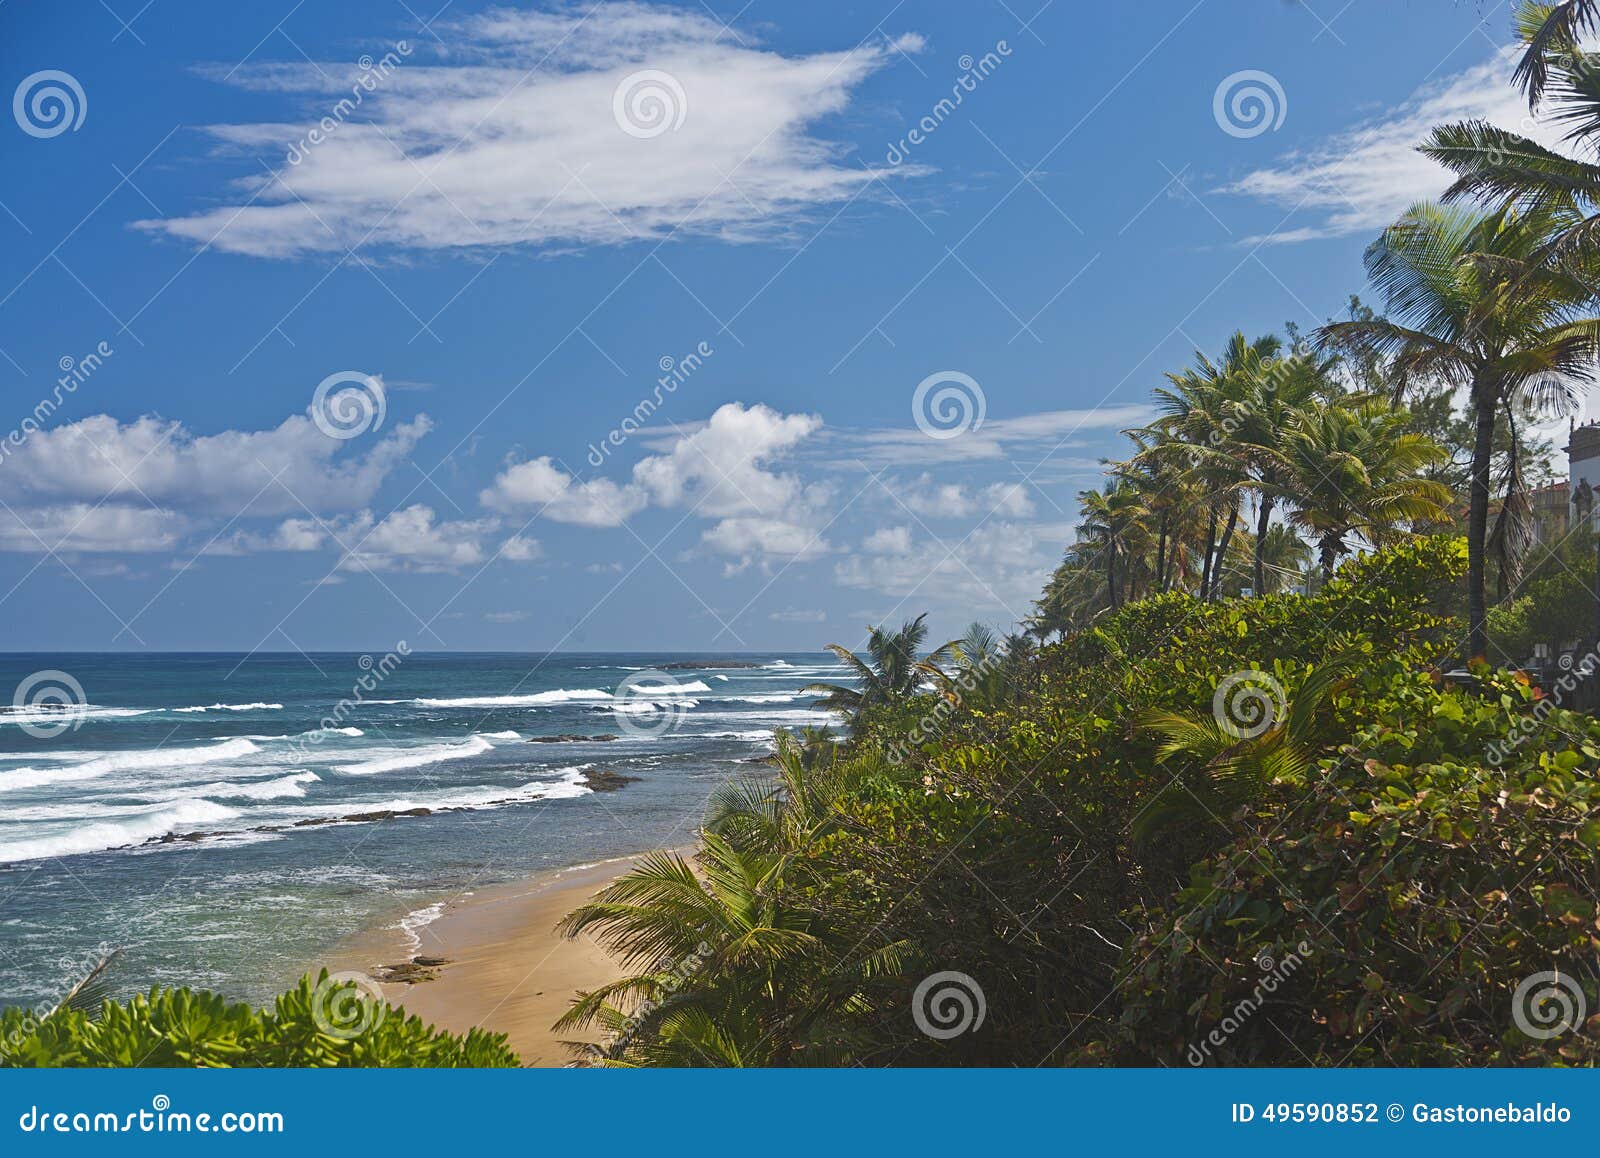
<point x="888" y="674"/>
<point x="1356" y="471"/>
<point x="1273" y="393"/>
<point x="1472" y="305"/>
<point x="1500" y="165"/>
<point x="1199" y="430"/>
<point x="1112" y="520"/>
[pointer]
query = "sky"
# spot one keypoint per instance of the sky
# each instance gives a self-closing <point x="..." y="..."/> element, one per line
<point x="718" y="326"/>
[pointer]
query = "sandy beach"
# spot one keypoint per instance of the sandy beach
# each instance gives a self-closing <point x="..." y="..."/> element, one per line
<point x="505" y="967"/>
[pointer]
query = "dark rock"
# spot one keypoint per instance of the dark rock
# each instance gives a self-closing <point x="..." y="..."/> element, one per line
<point x="570" y="738"/>
<point x="601" y="780"/>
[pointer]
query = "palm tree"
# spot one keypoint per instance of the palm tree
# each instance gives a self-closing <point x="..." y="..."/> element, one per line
<point x="1111" y="518"/>
<point x="724" y="965"/>
<point x="1198" y="429"/>
<point x="1504" y="167"/>
<point x="889" y="674"/>
<point x="1473" y="306"/>
<point x="1224" y="765"/>
<point x="1355" y="470"/>
<point x="1273" y="394"/>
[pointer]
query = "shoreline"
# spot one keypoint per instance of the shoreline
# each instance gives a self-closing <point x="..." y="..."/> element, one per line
<point x="503" y="967"/>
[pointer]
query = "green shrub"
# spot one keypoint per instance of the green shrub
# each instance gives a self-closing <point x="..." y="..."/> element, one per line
<point x="321" y="1022"/>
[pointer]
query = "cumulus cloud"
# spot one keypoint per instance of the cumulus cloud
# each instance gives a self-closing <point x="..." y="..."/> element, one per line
<point x="1000" y="567"/>
<point x="1360" y="180"/>
<point x="81" y="527"/>
<point x="540" y="483"/>
<point x="413" y="539"/>
<point x="958" y="501"/>
<point x="151" y="460"/>
<point x="720" y="470"/>
<point x="515" y="136"/>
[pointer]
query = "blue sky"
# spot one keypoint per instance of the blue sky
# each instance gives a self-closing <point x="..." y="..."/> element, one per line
<point x="532" y="210"/>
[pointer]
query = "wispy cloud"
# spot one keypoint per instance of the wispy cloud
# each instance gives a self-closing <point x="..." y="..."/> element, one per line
<point x="519" y="134"/>
<point x="1361" y="180"/>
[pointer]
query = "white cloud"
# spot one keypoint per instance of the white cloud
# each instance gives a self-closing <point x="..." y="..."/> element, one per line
<point x="540" y="483"/>
<point x="520" y="550"/>
<point x="506" y="616"/>
<point x="508" y="137"/>
<point x="413" y="539"/>
<point x="798" y="615"/>
<point x="1004" y="438"/>
<point x="1000" y="567"/>
<point x="1361" y="180"/>
<point x="73" y="527"/>
<point x="888" y="541"/>
<point x="719" y="471"/>
<point x="151" y="460"/>
<point x="957" y="501"/>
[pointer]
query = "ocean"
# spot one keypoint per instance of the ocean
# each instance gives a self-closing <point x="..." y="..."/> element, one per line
<point x="223" y="820"/>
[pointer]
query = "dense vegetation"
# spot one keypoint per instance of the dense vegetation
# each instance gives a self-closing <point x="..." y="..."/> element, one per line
<point x="1173" y="824"/>
<point x="1112" y="857"/>
<point x="321" y="1022"/>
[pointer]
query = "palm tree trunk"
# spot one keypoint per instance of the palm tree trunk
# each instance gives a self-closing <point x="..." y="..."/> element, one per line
<point x="1161" y="554"/>
<point x="1111" y="574"/>
<point x="1329" y="550"/>
<point x="1478" y="524"/>
<point x="1211" y="542"/>
<point x="1222" y="552"/>
<point x="1262" y="518"/>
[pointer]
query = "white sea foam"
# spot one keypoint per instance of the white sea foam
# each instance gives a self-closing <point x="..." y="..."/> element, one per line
<point x="153" y="759"/>
<point x="402" y="758"/>
<point x="100" y="835"/>
<point x="531" y="700"/>
<point x="501" y="735"/>
<point x="232" y="708"/>
<point x="413" y="923"/>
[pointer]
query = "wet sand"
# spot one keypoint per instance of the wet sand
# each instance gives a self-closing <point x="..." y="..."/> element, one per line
<point x="506" y="970"/>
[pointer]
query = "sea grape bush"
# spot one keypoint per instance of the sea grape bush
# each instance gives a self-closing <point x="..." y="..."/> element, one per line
<point x="187" y="1028"/>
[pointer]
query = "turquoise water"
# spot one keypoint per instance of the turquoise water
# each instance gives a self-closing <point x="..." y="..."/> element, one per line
<point x="164" y="812"/>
